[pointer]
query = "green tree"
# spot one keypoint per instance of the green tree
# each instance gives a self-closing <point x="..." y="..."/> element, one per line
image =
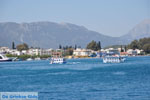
<point x="122" y="49"/>
<point x="93" y="45"/>
<point x="143" y="43"/>
<point x="134" y="45"/>
<point x="79" y="46"/>
<point x="125" y="48"/>
<point x="68" y="52"/>
<point x="67" y="47"/>
<point x="146" y="48"/>
<point x="60" y="47"/>
<point x="75" y="47"/>
<point x="13" y="45"/>
<point x="70" y="47"/>
<point x="23" y="46"/>
<point x="99" y="45"/>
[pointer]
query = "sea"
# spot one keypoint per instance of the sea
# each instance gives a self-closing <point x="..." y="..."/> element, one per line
<point x="79" y="79"/>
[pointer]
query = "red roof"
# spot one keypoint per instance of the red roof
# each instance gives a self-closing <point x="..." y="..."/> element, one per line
<point x="123" y="53"/>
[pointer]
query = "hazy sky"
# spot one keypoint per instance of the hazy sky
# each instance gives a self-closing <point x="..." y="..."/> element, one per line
<point x="110" y="17"/>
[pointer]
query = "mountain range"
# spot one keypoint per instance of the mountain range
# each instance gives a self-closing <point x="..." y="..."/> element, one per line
<point x="141" y="30"/>
<point x="46" y="34"/>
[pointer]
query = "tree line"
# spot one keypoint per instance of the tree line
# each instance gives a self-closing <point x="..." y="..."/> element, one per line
<point x="143" y="44"/>
<point x="93" y="45"/>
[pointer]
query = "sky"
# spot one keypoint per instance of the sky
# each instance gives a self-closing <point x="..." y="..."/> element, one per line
<point x="109" y="17"/>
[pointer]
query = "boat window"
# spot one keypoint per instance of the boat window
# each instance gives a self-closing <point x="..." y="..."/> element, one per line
<point x="1" y="57"/>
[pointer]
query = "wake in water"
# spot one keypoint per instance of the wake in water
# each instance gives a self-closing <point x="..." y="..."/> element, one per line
<point x="72" y="63"/>
<point x="119" y="73"/>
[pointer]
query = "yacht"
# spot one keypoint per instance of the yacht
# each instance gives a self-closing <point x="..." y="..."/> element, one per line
<point x="113" y="59"/>
<point x="3" y="58"/>
<point x="57" y="61"/>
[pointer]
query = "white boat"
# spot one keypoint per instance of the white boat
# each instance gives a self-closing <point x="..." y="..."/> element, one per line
<point x="37" y="58"/>
<point x="57" y="60"/>
<point x="3" y="58"/>
<point x="29" y="59"/>
<point x="113" y="59"/>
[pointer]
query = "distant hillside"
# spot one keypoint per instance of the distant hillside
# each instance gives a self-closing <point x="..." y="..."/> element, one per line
<point x="139" y="31"/>
<point x="50" y="35"/>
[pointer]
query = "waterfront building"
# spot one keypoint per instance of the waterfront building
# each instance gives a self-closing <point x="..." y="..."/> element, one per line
<point x="139" y="51"/>
<point x="39" y="52"/>
<point x="4" y="49"/>
<point x="112" y="51"/>
<point x="15" y="52"/>
<point x="56" y="54"/>
<point x="33" y="52"/>
<point x="132" y="52"/>
<point x="45" y="52"/>
<point x="124" y="53"/>
<point x="24" y="52"/>
<point x="82" y="52"/>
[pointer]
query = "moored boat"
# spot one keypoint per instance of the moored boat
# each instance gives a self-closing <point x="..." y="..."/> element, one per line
<point x="3" y="58"/>
<point x="57" y="61"/>
<point x="113" y="59"/>
<point x="57" y="58"/>
<point x="37" y="58"/>
<point x="29" y="59"/>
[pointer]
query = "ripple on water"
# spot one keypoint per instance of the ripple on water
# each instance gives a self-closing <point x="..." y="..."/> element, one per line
<point x="59" y="73"/>
<point x="79" y="79"/>
<point x="119" y="73"/>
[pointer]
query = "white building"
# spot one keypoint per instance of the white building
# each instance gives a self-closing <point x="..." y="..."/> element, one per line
<point x="82" y="52"/>
<point x="131" y="52"/>
<point x="15" y="52"/>
<point x="112" y="50"/>
<point x="32" y="52"/>
<point x="39" y="52"/>
<point x="139" y="51"/>
<point x="4" y="49"/>
<point x="45" y="52"/>
<point x="26" y="52"/>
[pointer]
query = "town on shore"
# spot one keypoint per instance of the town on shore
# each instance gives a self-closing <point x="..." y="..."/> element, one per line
<point x="92" y="50"/>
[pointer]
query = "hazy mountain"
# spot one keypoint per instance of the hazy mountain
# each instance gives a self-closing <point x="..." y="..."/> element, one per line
<point x="50" y="35"/>
<point x="139" y="31"/>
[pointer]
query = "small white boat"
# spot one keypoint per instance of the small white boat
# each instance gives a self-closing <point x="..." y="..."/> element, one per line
<point x="113" y="59"/>
<point x="29" y="59"/>
<point x="3" y="58"/>
<point x="37" y="58"/>
<point x="57" y="61"/>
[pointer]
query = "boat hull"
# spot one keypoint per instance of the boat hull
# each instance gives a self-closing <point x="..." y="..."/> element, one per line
<point x="113" y="59"/>
<point x="57" y="61"/>
<point x="6" y="60"/>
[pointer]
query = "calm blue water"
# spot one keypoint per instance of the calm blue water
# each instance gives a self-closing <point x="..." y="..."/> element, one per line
<point x="79" y="79"/>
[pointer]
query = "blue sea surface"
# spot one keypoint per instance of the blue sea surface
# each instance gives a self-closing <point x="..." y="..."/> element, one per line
<point x="79" y="79"/>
